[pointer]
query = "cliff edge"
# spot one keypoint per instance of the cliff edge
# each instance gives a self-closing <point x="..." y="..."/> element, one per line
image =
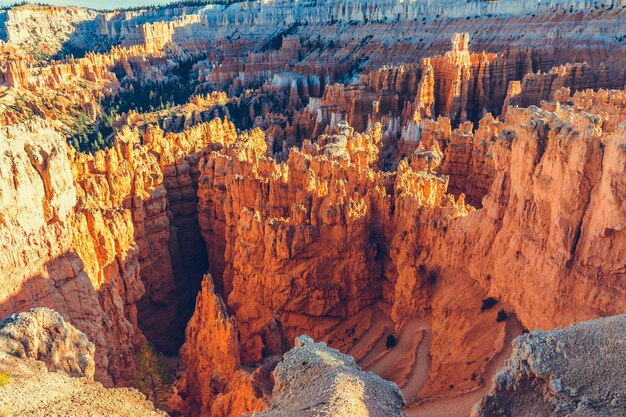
<point x="47" y="368"/>
<point x="577" y="371"/>
<point x="315" y="380"/>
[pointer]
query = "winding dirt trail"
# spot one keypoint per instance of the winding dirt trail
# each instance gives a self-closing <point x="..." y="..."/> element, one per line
<point x="398" y="363"/>
<point x="372" y="343"/>
<point x="422" y="364"/>
<point x="461" y="405"/>
<point x="408" y="363"/>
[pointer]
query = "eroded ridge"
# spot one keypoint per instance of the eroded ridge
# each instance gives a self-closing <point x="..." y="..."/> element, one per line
<point x="409" y="183"/>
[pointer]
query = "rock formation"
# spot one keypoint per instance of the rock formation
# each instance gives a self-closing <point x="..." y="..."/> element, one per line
<point x="532" y="146"/>
<point x="576" y="371"/>
<point x="47" y="368"/>
<point x="362" y="172"/>
<point x="315" y="380"/>
<point x="39" y="263"/>
<point x="42" y="334"/>
<point x="419" y="220"/>
<point x="214" y="382"/>
<point x="98" y="221"/>
<point x="325" y="195"/>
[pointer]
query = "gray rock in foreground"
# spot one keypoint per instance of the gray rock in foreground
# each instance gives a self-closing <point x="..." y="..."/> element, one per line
<point x="44" y="335"/>
<point x="579" y="371"/>
<point x="315" y="380"/>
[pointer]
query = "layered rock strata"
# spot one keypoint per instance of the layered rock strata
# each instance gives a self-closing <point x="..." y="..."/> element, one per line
<point x="325" y="195"/>
<point x="344" y="231"/>
<point x="424" y="252"/>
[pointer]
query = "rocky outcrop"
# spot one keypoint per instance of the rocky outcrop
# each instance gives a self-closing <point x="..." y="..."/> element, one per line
<point x="92" y="233"/>
<point x="33" y="391"/>
<point x="46" y="29"/>
<point x="315" y="380"/>
<point x="576" y="371"/>
<point x="44" y="335"/>
<point x="48" y="368"/>
<point x="214" y="382"/>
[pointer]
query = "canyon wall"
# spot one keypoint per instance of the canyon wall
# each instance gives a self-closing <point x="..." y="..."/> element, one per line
<point x="47" y="29"/>
<point x="40" y="265"/>
<point x="417" y="247"/>
<point x="534" y="249"/>
<point x="565" y="30"/>
<point x="91" y="235"/>
<point x="282" y="217"/>
<point x="367" y="180"/>
<point x="543" y="153"/>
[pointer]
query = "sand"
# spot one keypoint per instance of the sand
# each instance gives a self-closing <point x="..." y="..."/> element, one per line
<point x="408" y="363"/>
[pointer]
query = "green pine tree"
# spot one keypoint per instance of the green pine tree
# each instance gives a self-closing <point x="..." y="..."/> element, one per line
<point x="151" y="375"/>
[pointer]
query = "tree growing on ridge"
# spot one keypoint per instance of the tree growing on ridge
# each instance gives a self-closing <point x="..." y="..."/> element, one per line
<point x="151" y="375"/>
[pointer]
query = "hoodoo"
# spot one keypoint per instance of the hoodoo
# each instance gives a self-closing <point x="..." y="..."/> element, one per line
<point x="433" y="193"/>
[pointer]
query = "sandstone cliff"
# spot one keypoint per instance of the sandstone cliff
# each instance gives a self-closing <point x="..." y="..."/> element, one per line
<point x="535" y="151"/>
<point x="371" y="181"/>
<point x="92" y="233"/>
<point x="424" y="252"/>
<point x="214" y="383"/>
<point x="281" y="216"/>
<point x="39" y="263"/>
<point x="46" y="30"/>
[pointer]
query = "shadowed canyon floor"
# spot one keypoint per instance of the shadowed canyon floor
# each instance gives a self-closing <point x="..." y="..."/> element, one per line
<point x="414" y="184"/>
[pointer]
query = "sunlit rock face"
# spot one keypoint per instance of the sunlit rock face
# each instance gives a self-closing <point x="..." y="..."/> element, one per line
<point x="315" y="380"/>
<point x="214" y="383"/>
<point x="438" y="254"/>
<point x="411" y="183"/>
<point x="91" y="235"/>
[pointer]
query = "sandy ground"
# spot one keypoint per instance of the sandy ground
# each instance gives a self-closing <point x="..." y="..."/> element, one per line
<point x="32" y="391"/>
<point x="408" y="363"/>
<point x="460" y="406"/>
<point x="372" y="343"/>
